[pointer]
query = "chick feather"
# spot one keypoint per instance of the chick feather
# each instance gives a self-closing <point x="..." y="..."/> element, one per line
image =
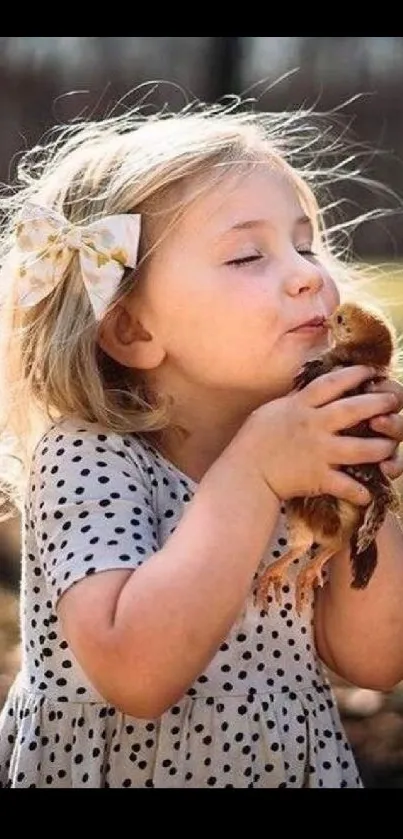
<point x="320" y="526"/>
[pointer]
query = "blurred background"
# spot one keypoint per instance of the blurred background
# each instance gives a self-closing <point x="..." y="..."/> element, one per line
<point x="46" y="81"/>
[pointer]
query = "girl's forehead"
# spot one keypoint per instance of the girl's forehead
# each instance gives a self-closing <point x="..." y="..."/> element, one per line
<point x="263" y="192"/>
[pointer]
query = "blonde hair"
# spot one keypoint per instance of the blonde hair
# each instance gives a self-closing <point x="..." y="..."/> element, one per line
<point x="51" y="362"/>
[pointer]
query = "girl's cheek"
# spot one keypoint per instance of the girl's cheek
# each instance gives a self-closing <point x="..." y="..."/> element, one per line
<point x="332" y="291"/>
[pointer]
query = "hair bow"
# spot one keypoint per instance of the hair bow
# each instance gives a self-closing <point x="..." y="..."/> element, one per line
<point x="46" y="242"/>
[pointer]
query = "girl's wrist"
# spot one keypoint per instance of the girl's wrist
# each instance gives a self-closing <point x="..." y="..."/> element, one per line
<point x="241" y="452"/>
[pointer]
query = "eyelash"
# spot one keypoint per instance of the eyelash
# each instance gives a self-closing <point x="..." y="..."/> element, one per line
<point x="247" y="260"/>
<point x="307" y="252"/>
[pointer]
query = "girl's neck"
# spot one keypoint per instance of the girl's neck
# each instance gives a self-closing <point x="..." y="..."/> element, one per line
<point x="193" y="452"/>
<point x="195" y="444"/>
<point x="203" y="423"/>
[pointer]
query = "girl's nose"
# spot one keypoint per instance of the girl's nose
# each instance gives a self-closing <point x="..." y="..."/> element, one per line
<point x="304" y="276"/>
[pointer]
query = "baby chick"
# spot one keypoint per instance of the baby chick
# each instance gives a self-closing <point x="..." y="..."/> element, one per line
<point x="320" y="526"/>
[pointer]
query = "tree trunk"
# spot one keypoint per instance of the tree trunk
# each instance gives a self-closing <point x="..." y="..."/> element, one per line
<point x="225" y="75"/>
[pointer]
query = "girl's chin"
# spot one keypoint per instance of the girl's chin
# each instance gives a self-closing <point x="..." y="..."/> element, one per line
<point x="279" y="389"/>
<point x="312" y="337"/>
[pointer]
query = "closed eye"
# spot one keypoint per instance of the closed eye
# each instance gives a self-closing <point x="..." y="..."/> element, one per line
<point x="306" y="252"/>
<point x="245" y="260"/>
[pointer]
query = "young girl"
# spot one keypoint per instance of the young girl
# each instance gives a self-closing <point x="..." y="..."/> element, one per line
<point x="163" y="281"/>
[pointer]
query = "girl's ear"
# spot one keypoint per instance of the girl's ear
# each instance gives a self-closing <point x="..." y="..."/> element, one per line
<point x="123" y="337"/>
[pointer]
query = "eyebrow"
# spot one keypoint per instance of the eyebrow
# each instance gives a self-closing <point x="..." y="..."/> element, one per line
<point x="261" y="222"/>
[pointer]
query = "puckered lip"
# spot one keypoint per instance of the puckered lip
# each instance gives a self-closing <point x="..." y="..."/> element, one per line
<point x="318" y="321"/>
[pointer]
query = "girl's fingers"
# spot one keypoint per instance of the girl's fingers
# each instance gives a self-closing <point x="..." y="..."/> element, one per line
<point x="393" y="468"/>
<point x="390" y="386"/>
<point x="353" y="450"/>
<point x="344" y="413"/>
<point x="332" y="385"/>
<point x="342" y="486"/>
<point x="390" y="425"/>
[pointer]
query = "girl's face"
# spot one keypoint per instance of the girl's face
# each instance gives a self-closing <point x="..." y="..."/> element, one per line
<point x="229" y="292"/>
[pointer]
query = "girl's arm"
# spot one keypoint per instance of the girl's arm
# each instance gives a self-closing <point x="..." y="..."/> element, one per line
<point x="359" y="633"/>
<point x="144" y="636"/>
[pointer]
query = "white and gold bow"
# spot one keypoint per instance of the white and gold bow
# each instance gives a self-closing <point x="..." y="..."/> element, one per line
<point x="46" y="242"/>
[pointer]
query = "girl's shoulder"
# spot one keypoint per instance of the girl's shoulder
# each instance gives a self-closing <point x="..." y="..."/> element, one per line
<point x="72" y="440"/>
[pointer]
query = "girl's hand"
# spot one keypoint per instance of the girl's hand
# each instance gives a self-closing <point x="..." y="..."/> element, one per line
<point x="390" y="425"/>
<point x="294" y="444"/>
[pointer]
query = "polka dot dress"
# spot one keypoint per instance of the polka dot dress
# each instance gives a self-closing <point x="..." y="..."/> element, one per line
<point x="261" y="715"/>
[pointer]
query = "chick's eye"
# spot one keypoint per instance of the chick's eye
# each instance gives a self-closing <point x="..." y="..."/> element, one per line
<point x="339" y="319"/>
